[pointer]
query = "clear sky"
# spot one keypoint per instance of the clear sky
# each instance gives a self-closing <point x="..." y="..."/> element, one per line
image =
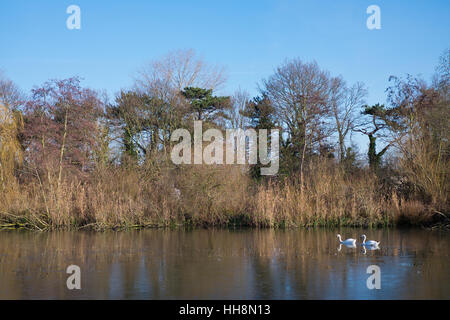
<point x="249" y="38"/>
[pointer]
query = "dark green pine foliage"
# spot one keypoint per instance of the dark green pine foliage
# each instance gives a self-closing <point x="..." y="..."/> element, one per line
<point x="204" y="106"/>
<point x="260" y="115"/>
<point x="380" y="118"/>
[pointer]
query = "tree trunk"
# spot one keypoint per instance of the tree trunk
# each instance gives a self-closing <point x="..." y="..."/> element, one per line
<point x="63" y="144"/>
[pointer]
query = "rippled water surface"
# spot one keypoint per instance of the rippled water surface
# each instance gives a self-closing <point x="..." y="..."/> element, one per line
<point x="224" y="264"/>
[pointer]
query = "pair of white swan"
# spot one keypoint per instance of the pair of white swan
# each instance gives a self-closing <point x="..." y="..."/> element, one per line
<point x="352" y="242"/>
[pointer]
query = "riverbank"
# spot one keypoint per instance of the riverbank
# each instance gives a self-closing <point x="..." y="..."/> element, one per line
<point x="213" y="196"/>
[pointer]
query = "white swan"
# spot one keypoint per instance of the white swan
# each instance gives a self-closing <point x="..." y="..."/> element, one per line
<point x="370" y="243"/>
<point x="350" y="241"/>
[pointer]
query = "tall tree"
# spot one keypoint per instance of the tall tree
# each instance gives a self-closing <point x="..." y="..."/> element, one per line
<point x="164" y="79"/>
<point x="61" y="126"/>
<point x="424" y="141"/>
<point x="259" y="114"/>
<point x="10" y="94"/>
<point x="344" y="102"/>
<point x="377" y="120"/>
<point x="299" y="93"/>
<point x="239" y="102"/>
<point x="136" y="117"/>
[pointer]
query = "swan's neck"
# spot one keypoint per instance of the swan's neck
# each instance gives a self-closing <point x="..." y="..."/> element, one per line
<point x="339" y="237"/>
<point x="364" y="238"/>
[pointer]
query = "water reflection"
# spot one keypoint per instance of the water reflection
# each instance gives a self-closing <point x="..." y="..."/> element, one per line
<point x="370" y="248"/>
<point x="350" y="246"/>
<point x="216" y="264"/>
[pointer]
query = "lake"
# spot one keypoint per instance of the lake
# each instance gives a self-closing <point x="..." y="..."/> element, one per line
<point x="224" y="264"/>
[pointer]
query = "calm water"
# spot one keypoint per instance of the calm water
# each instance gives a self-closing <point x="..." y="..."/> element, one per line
<point x="223" y="264"/>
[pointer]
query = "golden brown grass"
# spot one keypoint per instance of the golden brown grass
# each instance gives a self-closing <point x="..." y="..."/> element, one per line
<point x="329" y="198"/>
<point x="146" y="196"/>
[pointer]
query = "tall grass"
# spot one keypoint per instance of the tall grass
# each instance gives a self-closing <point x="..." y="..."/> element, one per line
<point x="329" y="198"/>
<point x="165" y="196"/>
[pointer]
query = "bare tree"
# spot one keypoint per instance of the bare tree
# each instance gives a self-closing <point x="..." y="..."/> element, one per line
<point x="239" y="100"/>
<point x="163" y="80"/>
<point x="423" y="138"/>
<point x="178" y="70"/>
<point x="61" y="126"/>
<point x="344" y="101"/>
<point x="300" y="95"/>
<point x="10" y="94"/>
<point x="441" y="78"/>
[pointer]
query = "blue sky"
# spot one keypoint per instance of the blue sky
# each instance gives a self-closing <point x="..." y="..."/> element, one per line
<point x="248" y="38"/>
